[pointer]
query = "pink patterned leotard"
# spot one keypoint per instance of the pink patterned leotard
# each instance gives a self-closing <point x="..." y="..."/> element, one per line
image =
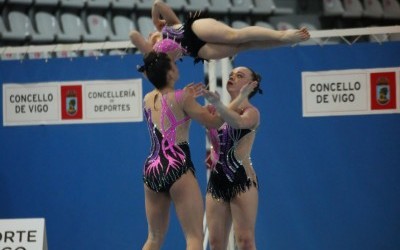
<point x="168" y="160"/>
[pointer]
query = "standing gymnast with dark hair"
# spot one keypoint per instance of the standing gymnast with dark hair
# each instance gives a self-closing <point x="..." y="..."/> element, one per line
<point x="232" y="192"/>
<point x="168" y="172"/>
<point x="206" y="38"/>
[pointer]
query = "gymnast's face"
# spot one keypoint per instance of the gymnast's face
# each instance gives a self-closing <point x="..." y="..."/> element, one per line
<point x="154" y="37"/>
<point x="239" y="77"/>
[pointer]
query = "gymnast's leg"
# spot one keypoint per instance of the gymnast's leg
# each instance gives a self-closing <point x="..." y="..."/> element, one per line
<point x="219" y="222"/>
<point x="157" y="213"/>
<point x="216" y="51"/>
<point x="212" y="31"/>
<point x="244" y="213"/>
<point x="188" y="201"/>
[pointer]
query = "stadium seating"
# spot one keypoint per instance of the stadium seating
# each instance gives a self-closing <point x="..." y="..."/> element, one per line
<point x="195" y="5"/>
<point x="77" y="4"/>
<point x="391" y="9"/>
<point x="352" y="8"/>
<point x="333" y="8"/>
<point x="46" y="27"/>
<point x="263" y="7"/>
<point x="176" y="4"/>
<point x="373" y="9"/>
<point x="19" y="27"/>
<point x="121" y="26"/>
<point x="220" y="6"/>
<point x="71" y="28"/>
<point x="145" y="25"/>
<point x="241" y="6"/>
<point x="100" y="4"/>
<point x="123" y="4"/>
<point x="98" y="28"/>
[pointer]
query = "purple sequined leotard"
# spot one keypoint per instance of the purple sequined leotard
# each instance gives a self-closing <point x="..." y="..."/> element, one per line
<point x="182" y="39"/>
<point x="171" y="41"/>
<point x="167" y="161"/>
<point x="228" y="176"/>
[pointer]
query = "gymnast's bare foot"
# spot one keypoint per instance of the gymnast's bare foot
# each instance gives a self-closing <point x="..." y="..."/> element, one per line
<point x="295" y="35"/>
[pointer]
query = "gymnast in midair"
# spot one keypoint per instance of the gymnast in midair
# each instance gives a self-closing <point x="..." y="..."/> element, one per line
<point x="205" y="38"/>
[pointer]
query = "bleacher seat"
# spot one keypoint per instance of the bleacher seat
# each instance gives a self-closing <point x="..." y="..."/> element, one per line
<point x="78" y="4"/>
<point x="176" y="5"/>
<point x="46" y="2"/>
<point x="285" y="7"/>
<point x="122" y="25"/>
<point x="194" y="5"/>
<point x="333" y="8"/>
<point x="373" y="9"/>
<point x="98" y="4"/>
<point x="238" y="24"/>
<point x="391" y="9"/>
<point x="264" y="24"/>
<point x="20" y="27"/>
<point x="144" y="5"/>
<point x="263" y="7"/>
<point x="145" y="25"/>
<point x="352" y="8"/>
<point x="46" y="27"/>
<point x="98" y="29"/>
<point x="71" y="28"/>
<point x="241" y="6"/>
<point x="123" y="4"/>
<point x="22" y="2"/>
<point x="219" y="6"/>
<point x="2" y="26"/>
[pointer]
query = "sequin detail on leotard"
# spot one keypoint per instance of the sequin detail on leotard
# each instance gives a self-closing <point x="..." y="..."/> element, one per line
<point x="228" y="176"/>
<point x="171" y="41"/>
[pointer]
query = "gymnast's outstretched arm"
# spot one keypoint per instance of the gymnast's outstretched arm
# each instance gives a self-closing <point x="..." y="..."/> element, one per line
<point x="249" y="118"/>
<point x="140" y="43"/>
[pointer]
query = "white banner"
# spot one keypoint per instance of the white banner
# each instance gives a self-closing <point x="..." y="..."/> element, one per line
<point x="351" y="92"/>
<point x="72" y="102"/>
<point x="117" y="101"/>
<point x="26" y="103"/>
<point x="23" y="234"/>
